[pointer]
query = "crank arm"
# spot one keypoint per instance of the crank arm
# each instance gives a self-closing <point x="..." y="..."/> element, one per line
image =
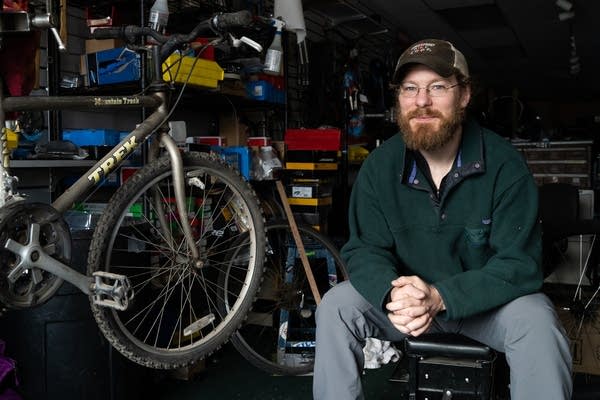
<point x="32" y="255"/>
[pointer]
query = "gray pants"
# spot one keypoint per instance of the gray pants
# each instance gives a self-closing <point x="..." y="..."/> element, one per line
<point x="526" y="330"/>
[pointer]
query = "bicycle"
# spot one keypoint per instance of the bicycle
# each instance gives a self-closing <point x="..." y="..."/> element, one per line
<point x="301" y="265"/>
<point x="154" y="263"/>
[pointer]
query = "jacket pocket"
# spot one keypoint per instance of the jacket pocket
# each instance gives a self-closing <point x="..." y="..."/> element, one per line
<point x="478" y="237"/>
<point x="477" y="249"/>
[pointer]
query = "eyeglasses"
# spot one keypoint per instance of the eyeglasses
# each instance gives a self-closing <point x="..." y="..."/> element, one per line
<point x="409" y="90"/>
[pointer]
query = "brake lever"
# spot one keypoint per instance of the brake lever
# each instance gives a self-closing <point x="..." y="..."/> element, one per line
<point x="244" y="39"/>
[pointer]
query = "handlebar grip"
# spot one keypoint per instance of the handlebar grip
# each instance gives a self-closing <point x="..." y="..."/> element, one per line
<point x="232" y="20"/>
<point x="108" y="33"/>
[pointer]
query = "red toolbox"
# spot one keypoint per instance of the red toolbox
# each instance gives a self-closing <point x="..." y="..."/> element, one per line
<point x="313" y="139"/>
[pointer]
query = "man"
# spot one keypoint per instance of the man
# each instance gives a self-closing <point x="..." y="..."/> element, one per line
<point x="444" y="236"/>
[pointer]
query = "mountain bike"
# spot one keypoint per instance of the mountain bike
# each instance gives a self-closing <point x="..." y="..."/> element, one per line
<point x="159" y="248"/>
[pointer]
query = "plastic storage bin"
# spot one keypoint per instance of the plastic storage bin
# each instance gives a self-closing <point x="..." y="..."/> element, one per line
<point x="205" y="73"/>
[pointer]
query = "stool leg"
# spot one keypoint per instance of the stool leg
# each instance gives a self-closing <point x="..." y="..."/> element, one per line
<point x="447" y="395"/>
<point x="412" y="378"/>
<point x="487" y="386"/>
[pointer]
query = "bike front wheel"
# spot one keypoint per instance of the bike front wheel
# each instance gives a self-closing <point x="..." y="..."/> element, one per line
<point x="279" y="334"/>
<point x="175" y="317"/>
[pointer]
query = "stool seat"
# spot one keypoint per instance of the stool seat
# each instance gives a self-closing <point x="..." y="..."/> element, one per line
<point x="448" y="345"/>
<point x="446" y="366"/>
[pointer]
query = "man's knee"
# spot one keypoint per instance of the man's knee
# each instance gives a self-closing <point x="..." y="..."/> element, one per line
<point x="341" y="303"/>
<point x="534" y="315"/>
<point x="341" y="295"/>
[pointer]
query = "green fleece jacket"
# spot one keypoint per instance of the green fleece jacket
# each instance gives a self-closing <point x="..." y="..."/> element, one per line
<point x="478" y="243"/>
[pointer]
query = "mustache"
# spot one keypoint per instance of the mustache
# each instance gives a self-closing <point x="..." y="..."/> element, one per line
<point x="424" y="113"/>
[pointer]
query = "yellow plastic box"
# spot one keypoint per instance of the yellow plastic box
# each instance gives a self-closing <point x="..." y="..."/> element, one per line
<point x="12" y="138"/>
<point x="206" y="73"/>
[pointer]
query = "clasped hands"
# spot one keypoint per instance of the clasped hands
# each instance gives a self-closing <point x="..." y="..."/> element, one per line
<point x="413" y="305"/>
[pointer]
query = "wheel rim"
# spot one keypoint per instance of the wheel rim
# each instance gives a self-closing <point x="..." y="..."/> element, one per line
<point x="279" y="333"/>
<point x="176" y="307"/>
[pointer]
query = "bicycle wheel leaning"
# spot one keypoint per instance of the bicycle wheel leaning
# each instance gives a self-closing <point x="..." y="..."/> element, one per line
<point x="279" y="334"/>
<point x="174" y="318"/>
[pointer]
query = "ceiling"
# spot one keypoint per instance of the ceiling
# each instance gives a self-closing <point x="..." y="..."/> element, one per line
<point x="510" y="44"/>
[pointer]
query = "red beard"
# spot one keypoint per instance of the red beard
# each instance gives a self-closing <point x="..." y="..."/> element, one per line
<point x="425" y="136"/>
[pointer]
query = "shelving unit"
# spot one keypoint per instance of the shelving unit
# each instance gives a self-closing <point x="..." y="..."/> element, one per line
<point x="199" y="108"/>
<point x="61" y="337"/>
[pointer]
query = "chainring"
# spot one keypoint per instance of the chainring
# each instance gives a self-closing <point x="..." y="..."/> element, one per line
<point x="34" y="286"/>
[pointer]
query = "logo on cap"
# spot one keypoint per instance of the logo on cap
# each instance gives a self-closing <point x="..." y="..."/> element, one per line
<point x="422" y="48"/>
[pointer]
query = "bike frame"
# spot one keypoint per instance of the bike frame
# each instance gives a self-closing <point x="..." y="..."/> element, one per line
<point x="153" y="123"/>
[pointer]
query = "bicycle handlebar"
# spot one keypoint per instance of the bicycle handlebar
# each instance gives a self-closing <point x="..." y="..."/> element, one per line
<point x="219" y="23"/>
<point x="225" y="21"/>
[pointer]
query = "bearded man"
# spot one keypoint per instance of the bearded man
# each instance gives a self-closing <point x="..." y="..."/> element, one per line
<point x="444" y="237"/>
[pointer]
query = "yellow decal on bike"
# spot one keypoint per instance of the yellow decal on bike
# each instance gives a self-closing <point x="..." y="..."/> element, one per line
<point x="107" y="166"/>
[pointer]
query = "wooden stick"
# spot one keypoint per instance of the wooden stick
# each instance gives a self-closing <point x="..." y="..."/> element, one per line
<point x="298" y="240"/>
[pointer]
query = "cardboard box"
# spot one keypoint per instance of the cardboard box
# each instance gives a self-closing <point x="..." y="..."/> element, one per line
<point x="96" y="45"/>
<point x="231" y="128"/>
<point x="585" y="344"/>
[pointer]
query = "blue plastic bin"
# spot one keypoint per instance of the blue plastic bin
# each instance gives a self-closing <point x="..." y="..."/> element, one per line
<point x="92" y="137"/>
<point x="239" y="158"/>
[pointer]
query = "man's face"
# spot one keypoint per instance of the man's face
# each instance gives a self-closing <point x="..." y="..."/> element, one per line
<point x="429" y="122"/>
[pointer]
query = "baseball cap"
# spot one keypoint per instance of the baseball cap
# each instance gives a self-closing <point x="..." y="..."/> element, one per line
<point x="439" y="55"/>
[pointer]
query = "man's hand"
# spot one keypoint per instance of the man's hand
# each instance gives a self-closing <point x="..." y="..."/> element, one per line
<point x="413" y="305"/>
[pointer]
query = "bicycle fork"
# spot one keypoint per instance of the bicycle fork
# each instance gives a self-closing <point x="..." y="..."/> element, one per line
<point x="179" y="188"/>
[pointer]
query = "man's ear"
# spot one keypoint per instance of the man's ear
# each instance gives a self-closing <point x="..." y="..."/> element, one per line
<point x="465" y="96"/>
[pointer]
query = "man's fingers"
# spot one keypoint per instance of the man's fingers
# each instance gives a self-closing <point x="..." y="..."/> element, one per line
<point x="399" y="319"/>
<point x="407" y="291"/>
<point x="402" y="303"/>
<point x="420" y="331"/>
<point x="400" y="322"/>
<point x="410" y="326"/>
<point x="412" y="312"/>
<point x="410" y="280"/>
<point x="419" y="324"/>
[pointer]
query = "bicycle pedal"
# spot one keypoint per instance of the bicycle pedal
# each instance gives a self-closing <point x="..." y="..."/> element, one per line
<point x="111" y="290"/>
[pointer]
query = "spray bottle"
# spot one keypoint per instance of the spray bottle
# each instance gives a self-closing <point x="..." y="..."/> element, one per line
<point x="274" y="56"/>
<point x="159" y="16"/>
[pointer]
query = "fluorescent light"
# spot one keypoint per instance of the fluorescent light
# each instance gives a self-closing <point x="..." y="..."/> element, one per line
<point x="564" y="4"/>
<point x="563" y="16"/>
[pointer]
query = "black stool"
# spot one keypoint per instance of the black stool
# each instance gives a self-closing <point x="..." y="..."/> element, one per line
<point x="446" y="366"/>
